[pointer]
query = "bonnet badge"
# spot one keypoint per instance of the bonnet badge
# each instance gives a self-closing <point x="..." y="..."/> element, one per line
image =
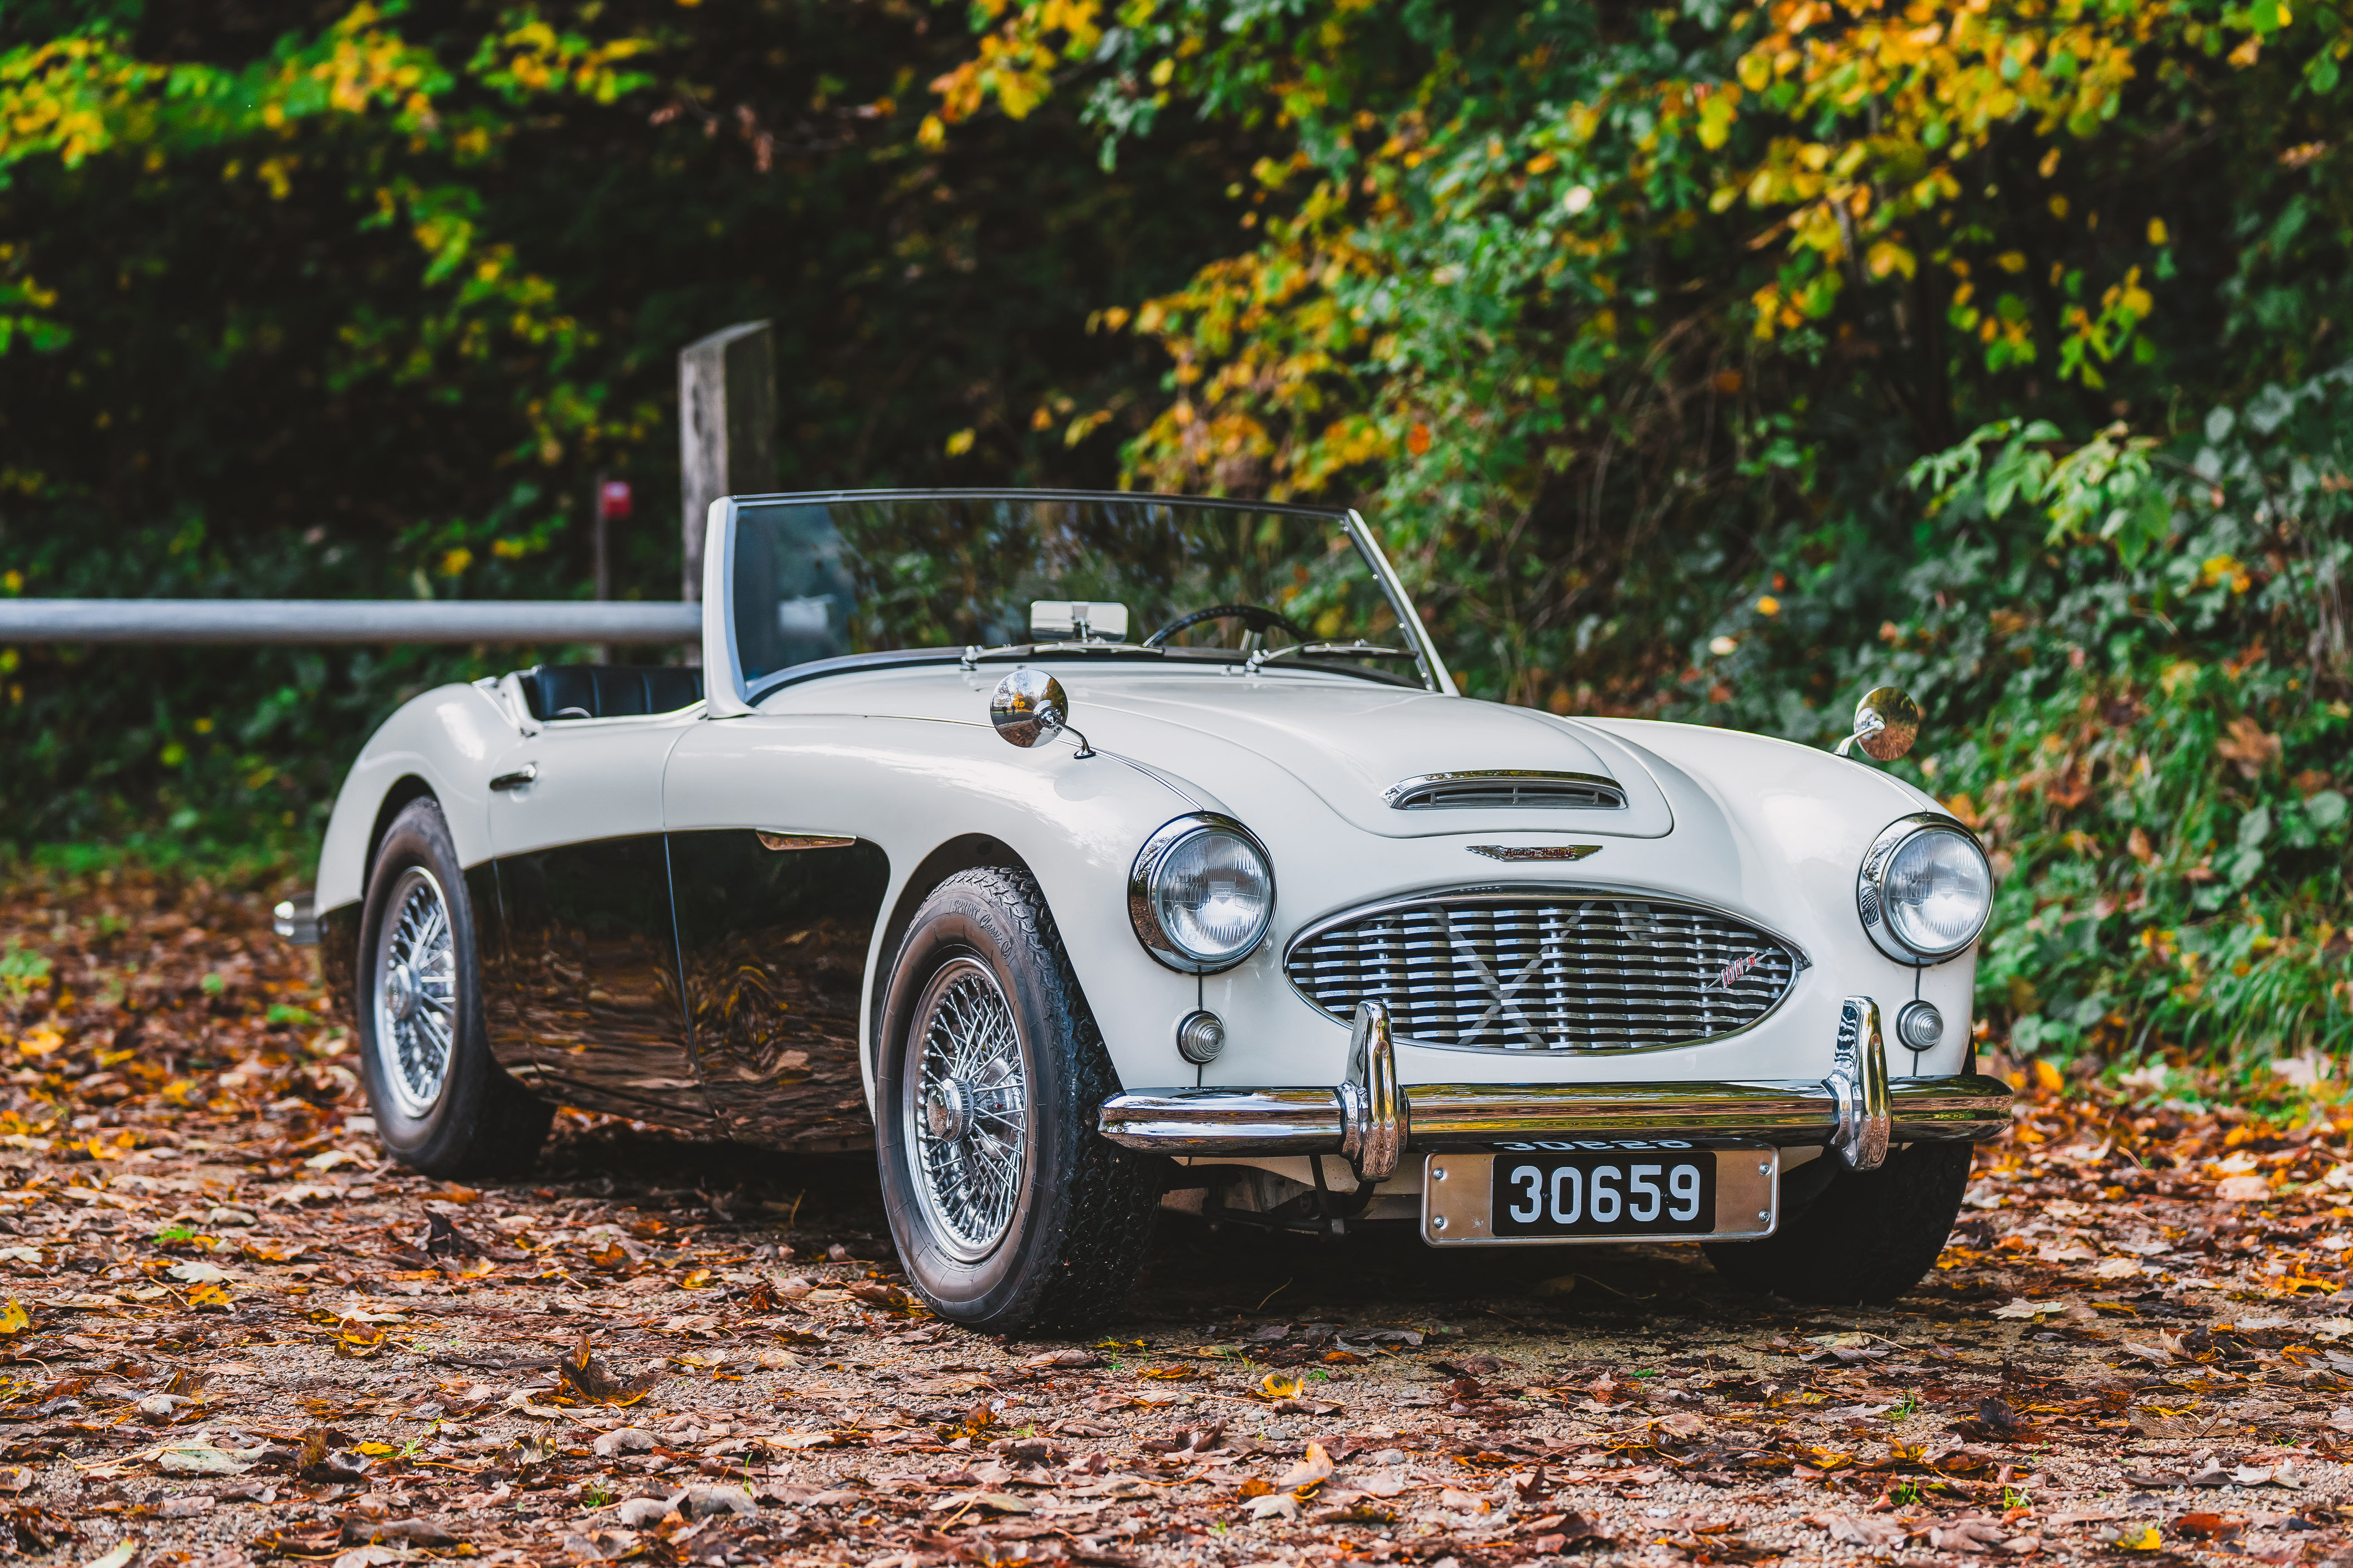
<point x="1536" y="852"/>
<point x="1738" y="970"/>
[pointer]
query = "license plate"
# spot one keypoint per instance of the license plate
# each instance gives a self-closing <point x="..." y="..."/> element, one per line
<point x="1600" y="1190"/>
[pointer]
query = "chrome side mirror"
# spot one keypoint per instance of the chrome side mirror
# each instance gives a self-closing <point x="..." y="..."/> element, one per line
<point x="1886" y="723"/>
<point x="1030" y="705"/>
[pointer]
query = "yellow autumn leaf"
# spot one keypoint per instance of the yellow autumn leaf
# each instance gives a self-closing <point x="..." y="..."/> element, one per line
<point x="13" y="1318"/>
<point x="1274" y="1386"/>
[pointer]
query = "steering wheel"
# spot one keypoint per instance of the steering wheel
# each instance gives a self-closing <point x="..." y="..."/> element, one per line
<point x="1254" y="617"/>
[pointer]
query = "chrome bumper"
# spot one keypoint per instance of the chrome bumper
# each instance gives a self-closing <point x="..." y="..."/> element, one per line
<point x="1856" y="1109"/>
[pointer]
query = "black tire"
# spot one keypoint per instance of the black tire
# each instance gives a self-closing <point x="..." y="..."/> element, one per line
<point x="1869" y="1237"/>
<point x="1062" y="1248"/>
<point x="476" y="1120"/>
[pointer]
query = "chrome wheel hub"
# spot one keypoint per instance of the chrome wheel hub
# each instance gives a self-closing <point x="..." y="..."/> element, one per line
<point x="415" y="993"/>
<point x="400" y="992"/>
<point x="968" y="1104"/>
<point x="947" y="1110"/>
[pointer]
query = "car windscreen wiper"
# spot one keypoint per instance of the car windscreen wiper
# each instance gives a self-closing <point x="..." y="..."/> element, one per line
<point x="1357" y="649"/>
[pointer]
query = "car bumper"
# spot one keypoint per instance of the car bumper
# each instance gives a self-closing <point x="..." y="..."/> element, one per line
<point x="1856" y="1109"/>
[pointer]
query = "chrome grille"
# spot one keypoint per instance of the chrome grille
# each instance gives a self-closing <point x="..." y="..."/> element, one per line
<point x="1564" y="973"/>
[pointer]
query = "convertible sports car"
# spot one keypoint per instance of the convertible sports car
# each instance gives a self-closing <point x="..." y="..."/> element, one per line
<point x="1255" y="917"/>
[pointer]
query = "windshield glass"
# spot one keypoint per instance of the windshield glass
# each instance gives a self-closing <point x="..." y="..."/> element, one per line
<point x="816" y="577"/>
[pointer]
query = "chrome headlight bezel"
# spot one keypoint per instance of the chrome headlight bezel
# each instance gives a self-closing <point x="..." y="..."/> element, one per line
<point x="1143" y="886"/>
<point x="1870" y="890"/>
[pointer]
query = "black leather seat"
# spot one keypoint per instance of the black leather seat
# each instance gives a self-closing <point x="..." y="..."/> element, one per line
<point x="608" y="690"/>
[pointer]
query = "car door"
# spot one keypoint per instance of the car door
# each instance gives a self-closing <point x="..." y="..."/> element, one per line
<point x="776" y="908"/>
<point x="587" y="985"/>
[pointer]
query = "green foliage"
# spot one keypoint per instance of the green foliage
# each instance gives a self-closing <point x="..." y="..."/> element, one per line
<point x="2148" y="721"/>
<point x="1708" y="362"/>
<point x="365" y="306"/>
<point x="23" y="971"/>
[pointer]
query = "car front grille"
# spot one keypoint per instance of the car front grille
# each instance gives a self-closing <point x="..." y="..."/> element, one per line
<point x="1563" y="973"/>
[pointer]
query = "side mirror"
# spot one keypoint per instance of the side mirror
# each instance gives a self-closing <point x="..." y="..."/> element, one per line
<point x="1886" y="723"/>
<point x="1030" y="705"/>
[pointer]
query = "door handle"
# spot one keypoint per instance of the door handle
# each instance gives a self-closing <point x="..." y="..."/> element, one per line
<point x="517" y="779"/>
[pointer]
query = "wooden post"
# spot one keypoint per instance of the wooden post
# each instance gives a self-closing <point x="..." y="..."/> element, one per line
<point x="726" y="429"/>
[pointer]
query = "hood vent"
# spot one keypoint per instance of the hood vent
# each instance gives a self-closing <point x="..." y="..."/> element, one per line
<point x="1505" y="789"/>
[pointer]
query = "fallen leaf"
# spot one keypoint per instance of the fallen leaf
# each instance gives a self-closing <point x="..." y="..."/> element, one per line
<point x="1313" y="1470"/>
<point x="585" y="1377"/>
<point x="1865" y="1530"/>
<point x="203" y="1460"/>
<point x="2024" y="1309"/>
<point x="2206" y="1526"/>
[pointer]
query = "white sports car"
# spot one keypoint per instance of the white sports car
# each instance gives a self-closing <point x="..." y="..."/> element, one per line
<point x="1255" y="917"/>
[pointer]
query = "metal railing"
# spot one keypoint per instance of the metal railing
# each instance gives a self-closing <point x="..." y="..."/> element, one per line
<point x="345" y="621"/>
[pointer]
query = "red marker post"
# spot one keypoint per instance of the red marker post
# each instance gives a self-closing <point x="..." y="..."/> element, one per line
<point x="613" y="503"/>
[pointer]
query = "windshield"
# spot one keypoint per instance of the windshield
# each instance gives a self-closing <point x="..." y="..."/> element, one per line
<point x="828" y="576"/>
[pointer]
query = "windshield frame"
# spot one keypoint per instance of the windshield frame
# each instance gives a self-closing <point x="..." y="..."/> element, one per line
<point x="738" y="696"/>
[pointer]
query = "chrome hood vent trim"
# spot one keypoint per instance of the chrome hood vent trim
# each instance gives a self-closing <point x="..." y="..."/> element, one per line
<point x="1506" y="789"/>
<point x="1579" y="971"/>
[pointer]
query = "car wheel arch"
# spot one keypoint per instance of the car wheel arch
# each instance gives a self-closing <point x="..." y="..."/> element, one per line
<point x="407" y="788"/>
<point x="965" y="852"/>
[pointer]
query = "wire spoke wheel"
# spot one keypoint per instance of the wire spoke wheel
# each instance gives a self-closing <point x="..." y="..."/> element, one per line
<point x="416" y="993"/>
<point x="968" y="1108"/>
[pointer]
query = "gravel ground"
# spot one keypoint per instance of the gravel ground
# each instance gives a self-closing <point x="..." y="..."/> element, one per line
<point x="233" y="1334"/>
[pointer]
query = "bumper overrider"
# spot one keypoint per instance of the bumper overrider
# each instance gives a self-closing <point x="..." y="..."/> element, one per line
<point x="1372" y="1120"/>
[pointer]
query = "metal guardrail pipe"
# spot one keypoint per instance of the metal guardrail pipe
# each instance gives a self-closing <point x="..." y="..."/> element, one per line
<point x="345" y="621"/>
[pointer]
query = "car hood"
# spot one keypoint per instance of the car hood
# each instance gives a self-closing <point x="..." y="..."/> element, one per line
<point x="1351" y="742"/>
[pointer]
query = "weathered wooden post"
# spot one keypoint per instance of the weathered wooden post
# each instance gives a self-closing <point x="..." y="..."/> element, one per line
<point x="726" y="427"/>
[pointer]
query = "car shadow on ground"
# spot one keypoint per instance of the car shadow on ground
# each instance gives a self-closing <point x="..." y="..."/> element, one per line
<point x="1199" y="1272"/>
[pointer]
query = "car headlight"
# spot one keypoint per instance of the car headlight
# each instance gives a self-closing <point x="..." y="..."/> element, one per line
<point x="1201" y="894"/>
<point x="1926" y="889"/>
